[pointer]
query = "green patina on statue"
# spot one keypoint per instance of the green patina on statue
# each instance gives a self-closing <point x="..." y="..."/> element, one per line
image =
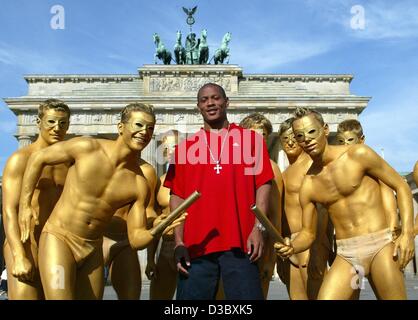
<point x="195" y="50"/>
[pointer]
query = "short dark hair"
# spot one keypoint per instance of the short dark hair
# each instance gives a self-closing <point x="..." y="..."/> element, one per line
<point x="136" y="106"/>
<point x="256" y="119"/>
<point x="303" y="112"/>
<point x="211" y="84"/>
<point x="55" y="104"/>
<point x="286" y="125"/>
<point x="351" y="125"/>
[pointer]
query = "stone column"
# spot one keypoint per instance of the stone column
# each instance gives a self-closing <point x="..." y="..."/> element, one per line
<point x="24" y="141"/>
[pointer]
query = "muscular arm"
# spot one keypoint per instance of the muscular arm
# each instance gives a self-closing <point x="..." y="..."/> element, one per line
<point x="12" y="183"/>
<point x="151" y="177"/>
<point x="61" y="152"/>
<point x="307" y="235"/>
<point x="376" y="167"/>
<point x="138" y="235"/>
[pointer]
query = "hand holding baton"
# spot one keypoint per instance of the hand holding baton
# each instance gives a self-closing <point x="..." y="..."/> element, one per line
<point x="271" y="230"/>
<point x="175" y="214"/>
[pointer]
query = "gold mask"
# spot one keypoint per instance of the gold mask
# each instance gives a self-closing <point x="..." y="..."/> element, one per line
<point x="287" y="136"/>
<point x="50" y="122"/>
<point x="311" y="132"/>
<point x="138" y="124"/>
<point x="347" y="138"/>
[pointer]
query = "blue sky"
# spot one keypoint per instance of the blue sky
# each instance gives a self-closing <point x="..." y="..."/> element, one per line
<point x="277" y="36"/>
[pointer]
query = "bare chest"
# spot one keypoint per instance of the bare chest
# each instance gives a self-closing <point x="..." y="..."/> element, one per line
<point x="336" y="182"/>
<point x="52" y="177"/>
<point x="104" y="182"/>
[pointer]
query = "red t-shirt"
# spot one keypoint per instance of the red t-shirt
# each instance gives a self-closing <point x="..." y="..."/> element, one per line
<point x="221" y="218"/>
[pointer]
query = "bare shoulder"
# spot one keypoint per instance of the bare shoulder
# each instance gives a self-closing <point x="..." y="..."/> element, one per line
<point x="94" y="143"/>
<point x="149" y="174"/>
<point x="148" y="170"/>
<point x="364" y="156"/>
<point x="358" y="151"/>
<point x="82" y="144"/>
<point x="18" y="160"/>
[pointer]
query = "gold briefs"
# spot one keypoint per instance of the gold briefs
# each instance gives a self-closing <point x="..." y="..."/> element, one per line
<point x="360" y="251"/>
<point x="81" y="248"/>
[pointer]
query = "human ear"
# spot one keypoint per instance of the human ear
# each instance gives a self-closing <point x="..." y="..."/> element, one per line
<point x="120" y="128"/>
<point x="326" y="130"/>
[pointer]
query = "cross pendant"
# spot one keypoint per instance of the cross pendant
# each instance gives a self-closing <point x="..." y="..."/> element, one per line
<point x="217" y="167"/>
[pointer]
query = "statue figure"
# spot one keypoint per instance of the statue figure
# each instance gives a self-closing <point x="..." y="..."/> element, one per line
<point x="24" y="282"/>
<point x="223" y="52"/>
<point x="179" y="51"/>
<point x="192" y="49"/>
<point x="203" y="48"/>
<point x="345" y="180"/>
<point x="71" y="240"/>
<point x="161" y="52"/>
<point x="190" y="13"/>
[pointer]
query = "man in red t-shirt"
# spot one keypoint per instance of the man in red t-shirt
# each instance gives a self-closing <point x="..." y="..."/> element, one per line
<point x="221" y="238"/>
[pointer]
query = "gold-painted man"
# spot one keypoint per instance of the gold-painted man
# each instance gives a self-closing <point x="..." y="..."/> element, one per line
<point x="345" y="180"/>
<point x="104" y="177"/>
<point x="301" y="284"/>
<point x="22" y="258"/>
<point x="119" y="257"/>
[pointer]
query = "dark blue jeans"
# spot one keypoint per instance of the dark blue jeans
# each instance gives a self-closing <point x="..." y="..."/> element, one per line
<point x="240" y="277"/>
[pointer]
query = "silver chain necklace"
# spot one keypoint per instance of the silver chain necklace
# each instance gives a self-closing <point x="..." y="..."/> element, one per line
<point x="217" y="167"/>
